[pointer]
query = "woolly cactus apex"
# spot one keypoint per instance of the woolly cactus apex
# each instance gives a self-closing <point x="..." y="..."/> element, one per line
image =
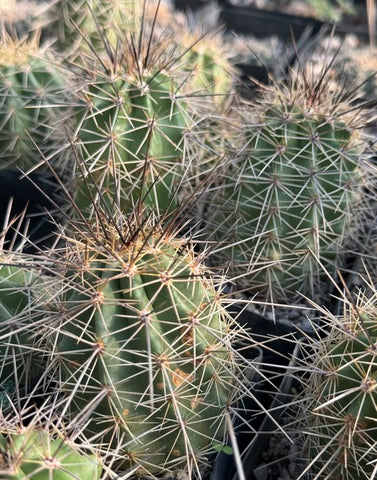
<point x="338" y="401"/>
<point x="132" y="129"/>
<point x="286" y="201"/>
<point x="30" y="90"/>
<point x="146" y="348"/>
<point x="37" y="454"/>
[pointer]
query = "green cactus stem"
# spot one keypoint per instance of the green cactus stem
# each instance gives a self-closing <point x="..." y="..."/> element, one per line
<point x="337" y="407"/>
<point x="146" y="348"/>
<point x="31" y="87"/>
<point x="76" y="24"/>
<point x="285" y="202"/>
<point x="20" y="361"/>
<point x="206" y="60"/>
<point x="132" y="129"/>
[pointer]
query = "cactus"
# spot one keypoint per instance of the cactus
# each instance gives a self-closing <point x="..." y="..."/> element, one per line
<point x="206" y="61"/>
<point x="30" y="89"/>
<point x="132" y="129"/>
<point x="67" y="18"/>
<point x="356" y="65"/>
<point x="136" y="112"/>
<point x="32" y="103"/>
<point x="336" y="410"/>
<point x="352" y="65"/>
<point x="78" y="25"/>
<point x="285" y="203"/>
<point x="36" y="454"/>
<point x="146" y="348"/>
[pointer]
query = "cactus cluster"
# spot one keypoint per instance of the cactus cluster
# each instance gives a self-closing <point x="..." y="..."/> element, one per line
<point x="119" y="356"/>
<point x="123" y="325"/>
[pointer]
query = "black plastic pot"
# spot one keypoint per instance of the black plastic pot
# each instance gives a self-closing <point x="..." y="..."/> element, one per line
<point x="277" y="356"/>
<point x="264" y="23"/>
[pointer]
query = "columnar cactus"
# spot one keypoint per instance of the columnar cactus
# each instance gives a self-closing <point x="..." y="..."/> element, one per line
<point x="286" y="200"/>
<point x="337" y="406"/>
<point x="37" y="454"/>
<point x="146" y="348"/>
